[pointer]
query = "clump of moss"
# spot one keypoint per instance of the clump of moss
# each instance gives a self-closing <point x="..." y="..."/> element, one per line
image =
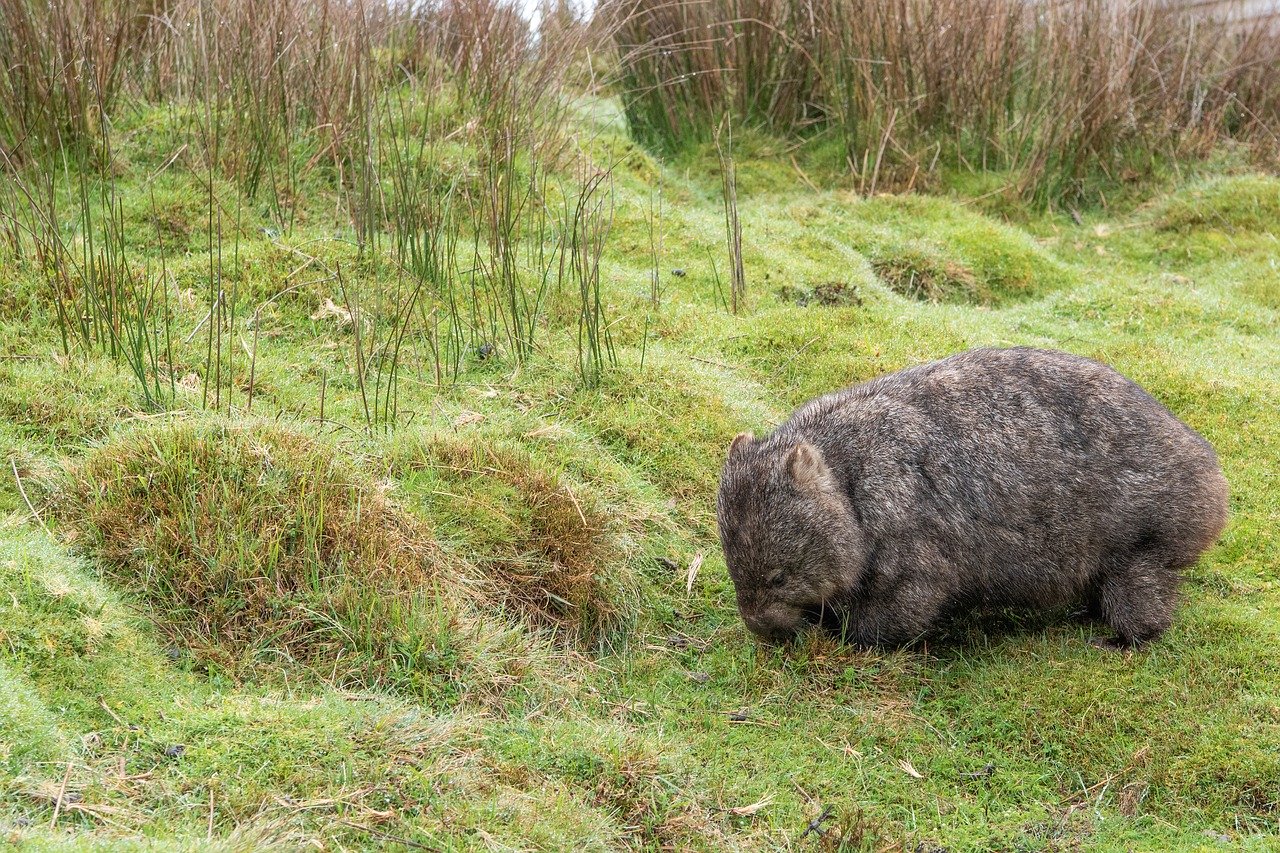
<point x="1231" y="204"/>
<point x="544" y="545"/>
<point x="935" y="249"/>
<point x="251" y="540"/>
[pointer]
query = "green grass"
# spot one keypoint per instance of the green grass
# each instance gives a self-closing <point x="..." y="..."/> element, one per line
<point x="481" y="630"/>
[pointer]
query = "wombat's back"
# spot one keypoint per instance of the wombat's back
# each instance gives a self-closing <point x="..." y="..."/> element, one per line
<point x="1025" y="469"/>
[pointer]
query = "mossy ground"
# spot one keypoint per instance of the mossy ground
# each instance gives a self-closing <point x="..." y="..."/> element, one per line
<point x="587" y="681"/>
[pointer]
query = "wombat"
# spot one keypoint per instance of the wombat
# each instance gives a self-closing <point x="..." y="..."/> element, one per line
<point x="1018" y="478"/>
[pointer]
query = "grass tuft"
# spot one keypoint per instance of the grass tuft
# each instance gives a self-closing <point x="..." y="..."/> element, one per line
<point x="253" y="540"/>
<point x="917" y="272"/>
<point x="549" y="553"/>
<point x="938" y="250"/>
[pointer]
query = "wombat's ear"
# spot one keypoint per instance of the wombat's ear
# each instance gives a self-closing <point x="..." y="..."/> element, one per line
<point x="806" y="466"/>
<point x="739" y="443"/>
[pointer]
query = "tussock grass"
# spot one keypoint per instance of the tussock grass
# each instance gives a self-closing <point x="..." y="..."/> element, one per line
<point x="1243" y="203"/>
<point x="916" y="272"/>
<point x="252" y="541"/>
<point x="283" y="769"/>
<point x="951" y="253"/>
<point x="548" y="552"/>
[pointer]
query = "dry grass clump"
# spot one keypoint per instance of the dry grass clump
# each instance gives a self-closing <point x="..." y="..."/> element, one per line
<point x="254" y="540"/>
<point x="924" y="276"/>
<point x="1065" y="94"/>
<point x="545" y="546"/>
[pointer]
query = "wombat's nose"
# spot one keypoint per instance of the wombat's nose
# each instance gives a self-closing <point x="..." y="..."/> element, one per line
<point x="769" y="627"/>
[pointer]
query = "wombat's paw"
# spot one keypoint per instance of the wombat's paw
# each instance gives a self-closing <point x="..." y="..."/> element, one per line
<point x="1113" y="644"/>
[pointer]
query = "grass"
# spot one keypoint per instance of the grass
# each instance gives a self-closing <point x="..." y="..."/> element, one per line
<point x="566" y="513"/>
<point x="501" y="619"/>
<point x="279" y="547"/>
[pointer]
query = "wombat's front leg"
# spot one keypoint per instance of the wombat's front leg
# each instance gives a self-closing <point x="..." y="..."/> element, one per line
<point x="904" y="605"/>
<point x="1137" y="597"/>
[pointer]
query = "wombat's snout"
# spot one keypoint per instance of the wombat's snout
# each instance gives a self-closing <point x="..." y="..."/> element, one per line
<point x="773" y="624"/>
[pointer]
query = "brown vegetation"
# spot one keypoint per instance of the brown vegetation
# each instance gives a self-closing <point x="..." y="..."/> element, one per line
<point x="1061" y="93"/>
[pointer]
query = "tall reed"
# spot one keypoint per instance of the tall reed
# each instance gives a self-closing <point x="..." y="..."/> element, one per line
<point x="587" y="225"/>
<point x="1063" y="94"/>
<point x="429" y="124"/>
<point x="104" y="302"/>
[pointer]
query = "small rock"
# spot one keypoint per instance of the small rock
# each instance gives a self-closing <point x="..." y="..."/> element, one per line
<point x="175" y="751"/>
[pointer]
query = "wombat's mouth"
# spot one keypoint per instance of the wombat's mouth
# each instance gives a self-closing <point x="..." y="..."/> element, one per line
<point x="824" y="617"/>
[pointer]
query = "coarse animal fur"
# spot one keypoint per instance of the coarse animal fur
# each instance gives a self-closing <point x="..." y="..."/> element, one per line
<point x="1017" y="478"/>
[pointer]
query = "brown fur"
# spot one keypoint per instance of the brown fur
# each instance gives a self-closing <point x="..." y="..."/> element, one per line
<point x="1017" y="477"/>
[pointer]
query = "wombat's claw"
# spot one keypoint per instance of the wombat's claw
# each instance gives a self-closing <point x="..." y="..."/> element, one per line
<point x="1111" y="644"/>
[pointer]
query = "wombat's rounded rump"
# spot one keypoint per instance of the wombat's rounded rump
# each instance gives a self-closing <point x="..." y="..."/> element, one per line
<point x="1006" y="477"/>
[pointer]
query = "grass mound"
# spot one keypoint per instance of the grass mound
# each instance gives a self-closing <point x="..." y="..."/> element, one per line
<point x="255" y="539"/>
<point x="919" y="273"/>
<point x="92" y="706"/>
<point x="1232" y="204"/>
<point x="545" y="545"/>
<point x="937" y="250"/>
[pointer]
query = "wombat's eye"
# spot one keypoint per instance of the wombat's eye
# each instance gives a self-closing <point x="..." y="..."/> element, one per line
<point x="775" y="579"/>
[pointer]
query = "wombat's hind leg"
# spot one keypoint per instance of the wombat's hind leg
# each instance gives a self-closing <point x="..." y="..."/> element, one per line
<point x="1137" y="596"/>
